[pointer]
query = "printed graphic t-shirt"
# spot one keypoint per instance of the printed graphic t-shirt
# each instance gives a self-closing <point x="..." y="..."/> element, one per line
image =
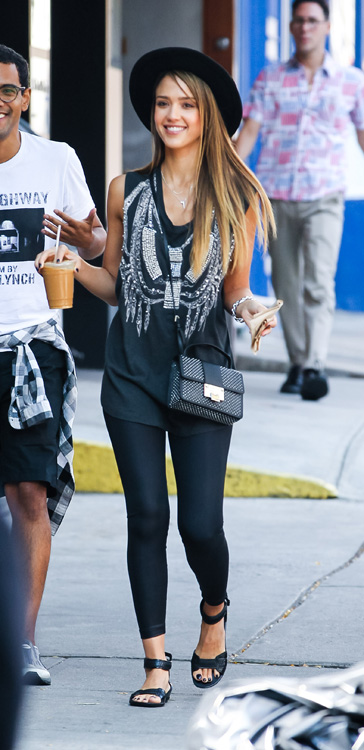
<point x="42" y="176"/>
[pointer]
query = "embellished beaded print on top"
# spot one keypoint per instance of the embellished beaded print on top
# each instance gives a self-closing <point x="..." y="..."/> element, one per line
<point x="143" y="282"/>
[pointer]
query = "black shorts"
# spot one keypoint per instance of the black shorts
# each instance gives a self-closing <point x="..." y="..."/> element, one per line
<point x="30" y="455"/>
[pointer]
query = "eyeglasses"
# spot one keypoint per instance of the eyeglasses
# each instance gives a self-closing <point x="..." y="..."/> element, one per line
<point x="8" y="92"/>
<point x="312" y="23"/>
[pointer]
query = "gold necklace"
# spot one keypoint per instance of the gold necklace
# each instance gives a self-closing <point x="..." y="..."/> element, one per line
<point x="182" y="201"/>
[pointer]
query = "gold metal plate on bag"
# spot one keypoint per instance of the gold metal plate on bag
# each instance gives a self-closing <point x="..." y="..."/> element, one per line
<point x="214" y="392"/>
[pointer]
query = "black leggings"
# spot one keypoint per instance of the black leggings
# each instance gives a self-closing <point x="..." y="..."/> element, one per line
<point x="199" y="464"/>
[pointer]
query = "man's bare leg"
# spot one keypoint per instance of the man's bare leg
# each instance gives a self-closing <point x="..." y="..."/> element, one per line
<point x="28" y="506"/>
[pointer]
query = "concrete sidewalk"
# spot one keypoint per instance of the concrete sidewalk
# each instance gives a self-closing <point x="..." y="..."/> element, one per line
<point x="296" y="581"/>
<point x="297" y="608"/>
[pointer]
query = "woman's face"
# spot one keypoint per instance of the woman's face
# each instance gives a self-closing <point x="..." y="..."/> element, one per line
<point x="176" y="115"/>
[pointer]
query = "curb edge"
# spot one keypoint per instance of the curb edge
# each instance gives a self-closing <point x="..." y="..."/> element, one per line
<point x="96" y="472"/>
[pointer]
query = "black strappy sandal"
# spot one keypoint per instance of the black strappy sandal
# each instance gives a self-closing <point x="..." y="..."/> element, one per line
<point x="162" y="694"/>
<point x="220" y="661"/>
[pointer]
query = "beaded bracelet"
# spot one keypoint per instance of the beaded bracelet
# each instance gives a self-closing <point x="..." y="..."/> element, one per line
<point x="233" y="309"/>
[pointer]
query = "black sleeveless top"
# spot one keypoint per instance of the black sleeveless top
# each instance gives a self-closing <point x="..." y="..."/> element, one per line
<point x="142" y="341"/>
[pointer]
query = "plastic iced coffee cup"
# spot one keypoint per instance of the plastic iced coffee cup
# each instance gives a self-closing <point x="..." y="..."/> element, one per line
<point x="59" y="281"/>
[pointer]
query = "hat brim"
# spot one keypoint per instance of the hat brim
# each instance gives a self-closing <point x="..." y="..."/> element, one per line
<point x="149" y="68"/>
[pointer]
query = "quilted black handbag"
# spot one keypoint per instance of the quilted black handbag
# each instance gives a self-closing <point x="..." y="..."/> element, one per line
<point x="206" y="390"/>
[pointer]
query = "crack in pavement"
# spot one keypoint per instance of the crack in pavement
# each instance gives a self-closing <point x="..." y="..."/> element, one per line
<point x="65" y="657"/>
<point x="281" y="663"/>
<point x="257" y="662"/>
<point x="303" y="596"/>
<point x="346" y="453"/>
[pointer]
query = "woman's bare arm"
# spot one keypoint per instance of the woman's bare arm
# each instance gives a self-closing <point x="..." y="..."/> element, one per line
<point x="99" y="281"/>
<point x="236" y="282"/>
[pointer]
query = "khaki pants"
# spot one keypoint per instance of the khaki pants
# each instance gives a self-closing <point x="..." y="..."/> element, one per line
<point x="304" y="261"/>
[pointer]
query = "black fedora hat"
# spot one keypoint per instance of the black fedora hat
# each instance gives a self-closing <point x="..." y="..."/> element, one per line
<point x="149" y="69"/>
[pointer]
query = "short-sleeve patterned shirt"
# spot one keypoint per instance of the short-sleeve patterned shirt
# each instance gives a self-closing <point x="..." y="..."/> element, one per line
<point x="304" y="127"/>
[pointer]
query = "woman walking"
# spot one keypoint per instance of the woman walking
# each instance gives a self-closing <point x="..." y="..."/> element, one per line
<point x="180" y="239"/>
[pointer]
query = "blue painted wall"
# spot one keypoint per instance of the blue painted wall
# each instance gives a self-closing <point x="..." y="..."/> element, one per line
<point x="253" y="14"/>
<point x="359" y="32"/>
<point x="350" y="271"/>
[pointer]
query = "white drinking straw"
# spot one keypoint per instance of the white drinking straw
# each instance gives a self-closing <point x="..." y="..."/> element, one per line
<point x="57" y="241"/>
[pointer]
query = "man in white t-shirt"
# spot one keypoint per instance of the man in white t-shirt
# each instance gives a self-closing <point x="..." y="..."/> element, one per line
<point x="42" y="184"/>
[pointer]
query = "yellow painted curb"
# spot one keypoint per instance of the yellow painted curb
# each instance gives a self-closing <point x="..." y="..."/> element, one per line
<point x="96" y="471"/>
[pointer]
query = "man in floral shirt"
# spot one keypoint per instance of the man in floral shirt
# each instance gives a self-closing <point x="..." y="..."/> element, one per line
<point x="303" y="108"/>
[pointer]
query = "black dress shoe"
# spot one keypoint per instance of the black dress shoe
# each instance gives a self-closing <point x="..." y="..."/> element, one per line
<point x="293" y="383"/>
<point x="314" y="385"/>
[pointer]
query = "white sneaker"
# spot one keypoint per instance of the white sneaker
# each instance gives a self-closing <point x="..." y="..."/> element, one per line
<point x="34" y="672"/>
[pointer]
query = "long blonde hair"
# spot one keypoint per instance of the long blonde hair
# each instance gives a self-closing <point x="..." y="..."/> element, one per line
<point x="224" y="183"/>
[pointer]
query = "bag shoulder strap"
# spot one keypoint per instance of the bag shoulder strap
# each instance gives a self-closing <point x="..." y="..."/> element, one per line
<point x="179" y="332"/>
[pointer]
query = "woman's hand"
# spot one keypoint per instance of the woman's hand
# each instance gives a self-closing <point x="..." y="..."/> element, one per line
<point x="64" y="253"/>
<point x="246" y="310"/>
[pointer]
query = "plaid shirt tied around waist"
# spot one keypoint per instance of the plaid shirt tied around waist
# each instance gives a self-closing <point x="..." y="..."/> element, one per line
<point x="29" y="404"/>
